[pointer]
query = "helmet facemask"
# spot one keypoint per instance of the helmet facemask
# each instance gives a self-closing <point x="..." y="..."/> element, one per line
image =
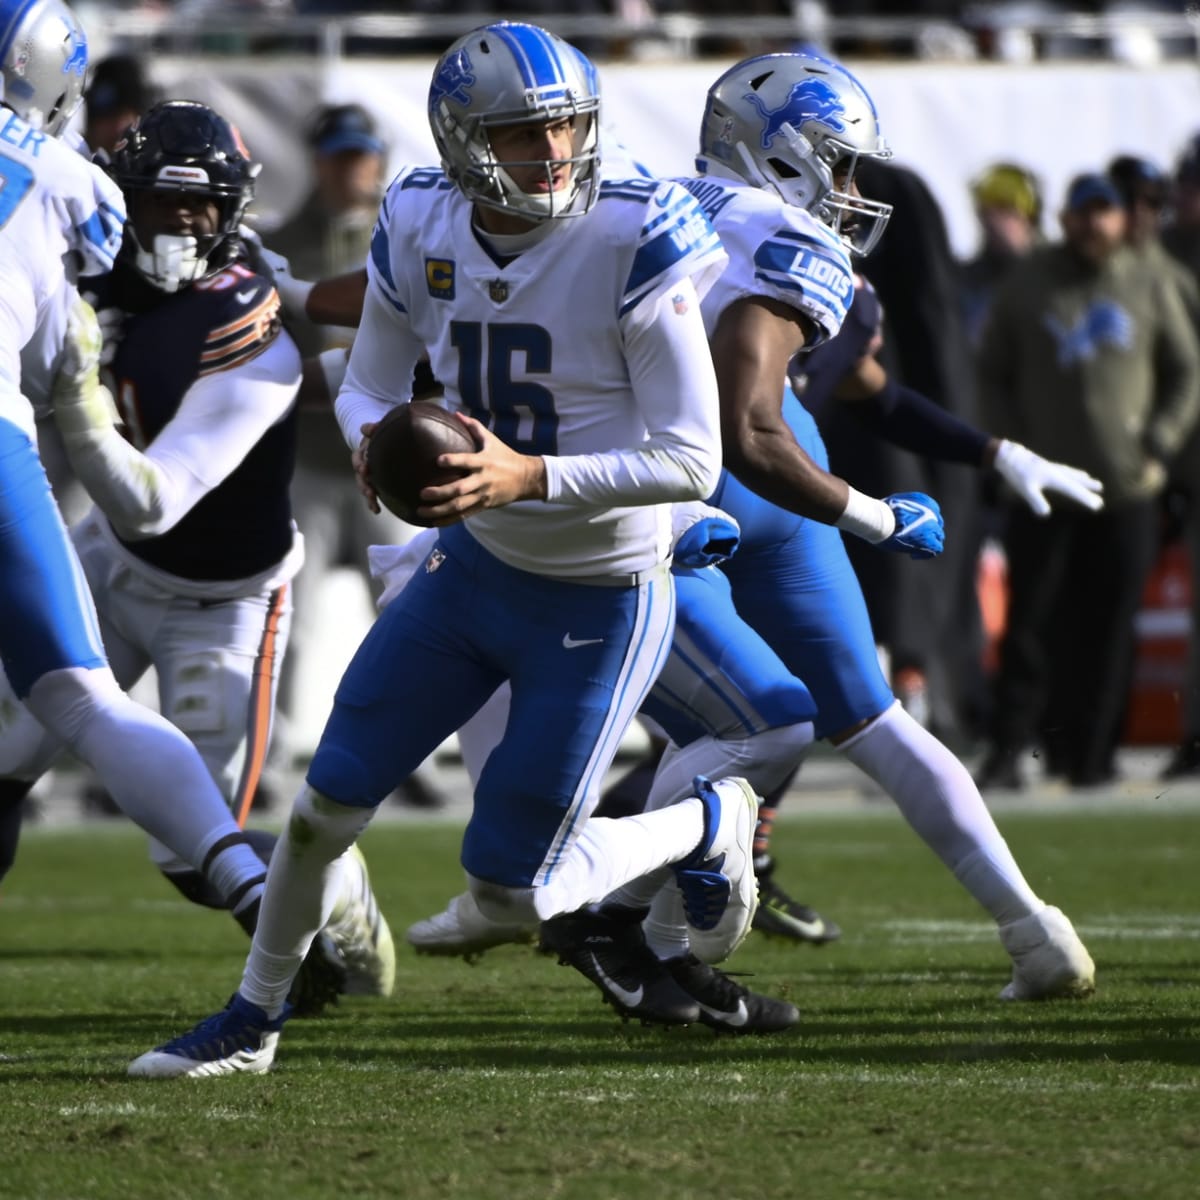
<point x="746" y="136"/>
<point x="508" y="75"/>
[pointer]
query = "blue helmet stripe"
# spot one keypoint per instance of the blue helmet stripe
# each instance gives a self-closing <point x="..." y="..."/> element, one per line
<point x="535" y="54"/>
<point x="14" y="23"/>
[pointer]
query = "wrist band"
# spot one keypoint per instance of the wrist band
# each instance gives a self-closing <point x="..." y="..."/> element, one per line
<point x="867" y="518"/>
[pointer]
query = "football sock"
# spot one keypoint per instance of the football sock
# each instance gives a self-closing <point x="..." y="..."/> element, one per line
<point x="303" y="886"/>
<point x="151" y="770"/>
<point x="666" y="927"/>
<point x="611" y="851"/>
<point x="939" y="799"/>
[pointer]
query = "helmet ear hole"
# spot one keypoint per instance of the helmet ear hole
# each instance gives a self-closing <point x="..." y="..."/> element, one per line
<point x="783" y="169"/>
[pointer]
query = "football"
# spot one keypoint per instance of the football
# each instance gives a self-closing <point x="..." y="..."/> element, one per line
<point x="403" y="451"/>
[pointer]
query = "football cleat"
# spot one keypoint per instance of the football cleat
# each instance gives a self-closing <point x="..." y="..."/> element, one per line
<point x="320" y="980"/>
<point x="727" y="1005"/>
<point x="1049" y="960"/>
<point x="359" y="935"/>
<point x="241" y="1037"/>
<point x="779" y="915"/>
<point x="462" y="931"/>
<point x="609" y="948"/>
<point x="716" y="881"/>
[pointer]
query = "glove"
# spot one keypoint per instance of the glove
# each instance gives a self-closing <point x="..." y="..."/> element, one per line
<point x="293" y="292"/>
<point x="1031" y="476"/>
<point x="81" y="403"/>
<point x="920" y="531"/>
<point x="702" y="536"/>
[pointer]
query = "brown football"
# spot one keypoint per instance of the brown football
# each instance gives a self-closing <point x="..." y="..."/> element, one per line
<point x="403" y="452"/>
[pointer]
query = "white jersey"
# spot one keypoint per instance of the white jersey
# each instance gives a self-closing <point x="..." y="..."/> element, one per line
<point x="775" y="250"/>
<point x="595" y="308"/>
<point x="60" y="217"/>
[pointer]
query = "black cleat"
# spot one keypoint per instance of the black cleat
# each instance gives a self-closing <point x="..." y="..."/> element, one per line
<point x="729" y="1006"/>
<point x="609" y="948"/>
<point x="779" y="915"/>
<point x="320" y="980"/>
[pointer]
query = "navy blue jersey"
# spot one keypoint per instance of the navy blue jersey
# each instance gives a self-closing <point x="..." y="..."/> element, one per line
<point x="243" y="526"/>
<point x="817" y="373"/>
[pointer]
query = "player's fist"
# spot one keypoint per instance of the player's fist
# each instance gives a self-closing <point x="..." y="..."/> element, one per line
<point x="920" y="531"/>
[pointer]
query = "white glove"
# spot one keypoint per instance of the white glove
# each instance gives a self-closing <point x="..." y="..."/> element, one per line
<point x="82" y="405"/>
<point x="1031" y="476"/>
<point x="293" y="292"/>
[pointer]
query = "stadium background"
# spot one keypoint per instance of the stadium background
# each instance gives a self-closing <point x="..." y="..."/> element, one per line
<point x="1058" y="92"/>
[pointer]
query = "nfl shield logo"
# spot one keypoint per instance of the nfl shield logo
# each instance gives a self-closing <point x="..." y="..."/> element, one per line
<point x="498" y="290"/>
<point x="434" y="561"/>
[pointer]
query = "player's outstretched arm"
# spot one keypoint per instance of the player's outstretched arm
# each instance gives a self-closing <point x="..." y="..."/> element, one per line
<point x="908" y="419"/>
<point x="755" y="339"/>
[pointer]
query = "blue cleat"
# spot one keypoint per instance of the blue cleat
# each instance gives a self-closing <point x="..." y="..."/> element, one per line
<point x="241" y="1037"/>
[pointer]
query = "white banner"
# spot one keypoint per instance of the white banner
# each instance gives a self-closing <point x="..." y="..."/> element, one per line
<point x="945" y="121"/>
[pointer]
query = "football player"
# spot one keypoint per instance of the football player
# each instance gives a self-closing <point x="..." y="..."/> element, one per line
<point x="780" y="139"/>
<point x="191" y="545"/>
<point x="60" y="216"/>
<point x="563" y="317"/>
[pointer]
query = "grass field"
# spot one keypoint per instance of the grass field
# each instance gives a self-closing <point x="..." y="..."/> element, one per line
<point x="906" y="1078"/>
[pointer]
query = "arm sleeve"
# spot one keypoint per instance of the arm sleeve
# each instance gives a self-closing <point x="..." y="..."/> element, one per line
<point x="382" y="359"/>
<point x="672" y="377"/>
<point x="220" y="419"/>
<point x="906" y="418"/>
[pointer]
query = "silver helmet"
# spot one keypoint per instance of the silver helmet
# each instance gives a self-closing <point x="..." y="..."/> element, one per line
<point x="43" y="61"/>
<point x="797" y="124"/>
<point x="509" y="74"/>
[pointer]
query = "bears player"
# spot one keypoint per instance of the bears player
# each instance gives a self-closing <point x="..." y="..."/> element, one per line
<point x="780" y="138"/>
<point x="563" y="317"/>
<point x="60" y="216"/>
<point x="191" y="546"/>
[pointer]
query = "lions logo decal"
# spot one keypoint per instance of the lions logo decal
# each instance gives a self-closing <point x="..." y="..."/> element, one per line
<point x="809" y="100"/>
<point x="452" y="81"/>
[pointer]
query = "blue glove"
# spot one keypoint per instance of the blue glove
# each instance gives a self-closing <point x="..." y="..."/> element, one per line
<point x="920" y="531"/>
<point x="710" y="540"/>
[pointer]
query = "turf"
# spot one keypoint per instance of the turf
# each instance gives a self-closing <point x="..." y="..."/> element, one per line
<point x="906" y="1078"/>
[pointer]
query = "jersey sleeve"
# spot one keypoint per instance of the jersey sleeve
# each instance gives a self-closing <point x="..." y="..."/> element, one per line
<point x="676" y="242"/>
<point x="96" y="215"/>
<point x="245" y="320"/>
<point x="806" y="268"/>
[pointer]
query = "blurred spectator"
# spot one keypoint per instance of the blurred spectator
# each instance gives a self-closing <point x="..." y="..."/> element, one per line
<point x="1008" y="206"/>
<point x="329" y="235"/>
<point x="916" y="608"/>
<point x="117" y="94"/>
<point x="1180" y="240"/>
<point x="1088" y="357"/>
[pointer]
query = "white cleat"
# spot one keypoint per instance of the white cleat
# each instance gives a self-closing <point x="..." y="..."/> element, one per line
<point x="717" y="882"/>
<point x="1049" y="960"/>
<point x="359" y="933"/>
<point x="462" y="931"/>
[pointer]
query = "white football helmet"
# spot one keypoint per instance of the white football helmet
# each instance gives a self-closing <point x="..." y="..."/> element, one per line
<point x="797" y="124"/>
<point x="506" y="74"/>
<point x="43" y="62"/>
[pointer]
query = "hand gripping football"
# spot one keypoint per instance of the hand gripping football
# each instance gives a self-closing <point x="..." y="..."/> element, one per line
<point x="403" y="451"/>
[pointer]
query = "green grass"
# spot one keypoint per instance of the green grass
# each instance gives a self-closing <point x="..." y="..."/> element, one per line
<point x="906" y="1078"/>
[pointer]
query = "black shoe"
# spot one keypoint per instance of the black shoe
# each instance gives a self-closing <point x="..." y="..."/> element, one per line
<point x="320" y="980"/>
<point x="726" y="1005"/>
<point x="779" y="915"/>
<point x="1184" y="762"/>
<point x="609" y="948"/>
<point x="1000" y="771"/>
